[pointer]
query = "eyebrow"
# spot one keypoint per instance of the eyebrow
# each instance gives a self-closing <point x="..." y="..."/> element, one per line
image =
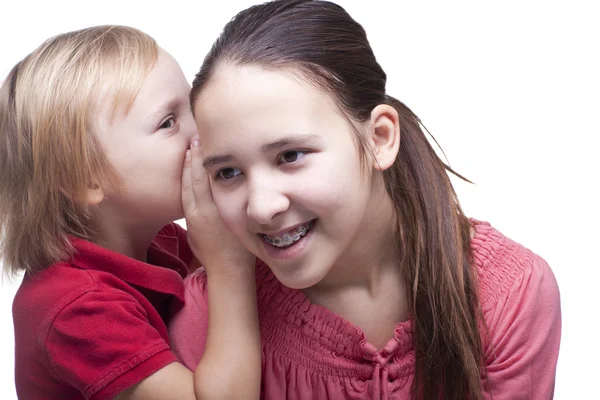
<point x="297" y="140"/>
<point x="211" y="161"/>
<point x="166" y="106"/>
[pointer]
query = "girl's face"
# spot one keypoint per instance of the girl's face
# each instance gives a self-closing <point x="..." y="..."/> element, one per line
<point x="146" y="148"/>
<point x="285" y="171"/>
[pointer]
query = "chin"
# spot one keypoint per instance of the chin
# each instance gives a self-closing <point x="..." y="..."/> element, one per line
<point x="298" y="282"/>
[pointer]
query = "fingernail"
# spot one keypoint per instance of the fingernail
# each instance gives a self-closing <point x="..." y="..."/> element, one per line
<point x="196" y="142"/>
<point x="187" y="154"/>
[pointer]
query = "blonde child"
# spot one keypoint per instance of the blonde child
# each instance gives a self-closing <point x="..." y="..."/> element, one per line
<point x="96" y="145"/>
<point x="377" y="286"/>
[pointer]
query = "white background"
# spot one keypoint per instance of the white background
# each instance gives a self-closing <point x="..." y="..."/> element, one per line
<point x="510" y="89"/>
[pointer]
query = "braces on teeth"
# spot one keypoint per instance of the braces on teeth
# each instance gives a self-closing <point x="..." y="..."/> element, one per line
<point x="287" y="239"/>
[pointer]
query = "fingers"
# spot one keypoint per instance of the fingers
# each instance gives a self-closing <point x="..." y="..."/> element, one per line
<point x="187" y="191"/>
<point x="200" y="181"/>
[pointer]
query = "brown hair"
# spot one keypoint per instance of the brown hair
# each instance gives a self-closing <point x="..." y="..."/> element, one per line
<point x="330" y="49"/>
<point x="48" y="154"/>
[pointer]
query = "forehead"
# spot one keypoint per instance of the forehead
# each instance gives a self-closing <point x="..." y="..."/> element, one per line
<point x="139" y="94"/>
<point x="165" y="78"/>
<point x="241" y="99"/>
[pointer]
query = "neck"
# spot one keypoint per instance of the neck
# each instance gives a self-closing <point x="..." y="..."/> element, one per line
<point x="366" y="286"/>
<point x="122" y="236"/>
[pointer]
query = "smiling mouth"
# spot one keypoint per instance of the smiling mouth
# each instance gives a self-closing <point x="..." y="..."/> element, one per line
<point x="289" y="238"/>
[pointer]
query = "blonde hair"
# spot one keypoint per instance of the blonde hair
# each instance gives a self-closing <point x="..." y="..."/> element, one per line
<point x="49" y="156"/>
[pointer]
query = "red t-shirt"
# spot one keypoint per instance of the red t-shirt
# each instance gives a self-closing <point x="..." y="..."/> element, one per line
<point x="96" y="324"/>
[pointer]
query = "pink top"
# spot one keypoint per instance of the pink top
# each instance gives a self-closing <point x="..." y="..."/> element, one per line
<point x="311" y="353"/>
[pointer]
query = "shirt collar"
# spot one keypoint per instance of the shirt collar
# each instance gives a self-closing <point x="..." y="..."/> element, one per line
<point x="163" y="272"/>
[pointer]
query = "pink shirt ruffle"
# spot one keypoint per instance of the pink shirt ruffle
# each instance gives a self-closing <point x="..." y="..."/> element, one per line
<point x="311" y="353"/>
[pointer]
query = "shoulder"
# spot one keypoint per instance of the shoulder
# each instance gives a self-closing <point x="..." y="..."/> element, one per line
<point x="47" y="296"/>
<point x="105" y="341"/>
<point x="519" y="295"/>
<point x="172" y="238"/>
<point x="195" y="288"/>
<point x="48" y="291"/>
<point x="195" y="284"/>
<point x="189" y="326"/>
<point x="172" y="229"/>
<point x="503" y="264"/>
<point x="85" y="330"/>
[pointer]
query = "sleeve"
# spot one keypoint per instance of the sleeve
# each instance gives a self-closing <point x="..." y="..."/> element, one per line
<point x="102" y="343"/>
<point x="189" y="326"/>
<point x="523" y="337"/>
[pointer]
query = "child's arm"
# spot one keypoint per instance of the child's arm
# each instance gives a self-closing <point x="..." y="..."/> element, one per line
<point x="524" y="328"/>
<point x="231" y="364"/>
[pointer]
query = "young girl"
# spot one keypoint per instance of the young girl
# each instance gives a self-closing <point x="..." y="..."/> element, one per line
<point x="95" y="164"/>
<point x="378" y="286"/>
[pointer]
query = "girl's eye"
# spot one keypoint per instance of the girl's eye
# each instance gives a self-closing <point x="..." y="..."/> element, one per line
<point x="228" y="173"/>
<point x="167" y="123"/>
<point x="292" y="156"/>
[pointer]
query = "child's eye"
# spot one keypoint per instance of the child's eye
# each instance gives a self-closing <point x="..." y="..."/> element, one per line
<point x="291" y="156"/>
<point x="227" y="173"/>
<point x="167" y="123"/>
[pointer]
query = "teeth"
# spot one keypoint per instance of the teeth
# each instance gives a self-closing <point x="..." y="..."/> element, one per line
<point x="287" y="238"/>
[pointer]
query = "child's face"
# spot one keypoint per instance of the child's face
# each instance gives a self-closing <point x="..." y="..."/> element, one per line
<point x="282" y="158"/>
<point x="147" y="146"/>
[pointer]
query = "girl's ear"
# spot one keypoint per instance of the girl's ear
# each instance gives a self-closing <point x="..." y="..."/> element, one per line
<point x="384" y="136"/>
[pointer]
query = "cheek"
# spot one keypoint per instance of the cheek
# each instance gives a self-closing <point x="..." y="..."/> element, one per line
<point x="321" y="195"/>
<point x="168" y="160"/>
<point x="231" y="210"/>
<point x="177" y="161"/>
<point x="328" y="187"/>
